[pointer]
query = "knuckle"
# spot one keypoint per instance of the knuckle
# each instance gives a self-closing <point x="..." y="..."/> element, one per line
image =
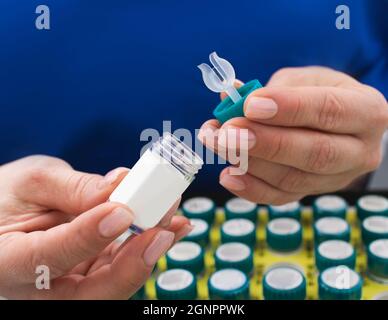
<point x="294" y="180"/>
<point x="77" y="184"/>
<point x="279" y="144"/>
<point x="331" y="112"/>
<point x="322" y="156"/>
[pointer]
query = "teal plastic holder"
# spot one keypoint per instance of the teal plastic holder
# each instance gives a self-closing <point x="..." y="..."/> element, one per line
<point x="227" y="109"/>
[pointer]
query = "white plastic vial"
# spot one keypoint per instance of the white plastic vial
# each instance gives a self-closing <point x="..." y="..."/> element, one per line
<point x="157" y="180"/>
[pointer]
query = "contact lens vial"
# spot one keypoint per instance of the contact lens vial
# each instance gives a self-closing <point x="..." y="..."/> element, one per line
<point x="157" y="180"/>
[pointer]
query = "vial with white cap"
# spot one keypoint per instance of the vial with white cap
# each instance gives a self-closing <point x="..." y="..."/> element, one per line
<point x="199" y="208"/>
<point x="200" y="233"/>
<point x="372" y="205"/>
<point x="228" y="284"/>
<point x="239" y="230"/>
<point x="284" y="282"/>
<point x="333" y="253"/>
<point x="234" y="255"/>
<point x="157" y="181"/>
<point x="176" y="284"/>
<point x="331" y="228"/>
<point x="373" y="228"/>
<point x="220" y="78"/>
<point x="186" y="255"/>
<point x="240" y="208"/>
<point x="377" y="253"/>
<point x="330" y="206"/>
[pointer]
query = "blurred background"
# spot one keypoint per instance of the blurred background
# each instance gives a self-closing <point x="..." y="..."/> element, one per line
<point x="84" y="90"/>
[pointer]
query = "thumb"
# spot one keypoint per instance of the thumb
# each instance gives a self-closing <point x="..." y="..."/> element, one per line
<point x="57" y="186"/>
<point x="65" y="246"/>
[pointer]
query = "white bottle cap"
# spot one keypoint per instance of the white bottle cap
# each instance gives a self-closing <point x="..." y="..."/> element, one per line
<point x="376" y="224"/>
<point x="228" y="279"/>
<point x="373" y="203"/>
<point x="200" y="227"/>
<point x="335" y="249"/>
<point x="331" y="225"/>
<point x="198" y="205"/>
<point x="175" y="279"/>
<point x="239" y="205"/>
<point x="185" y="250"/>
<point x="330" y="202"/>
<point x="233" y="251"/>
<point x="284" y="278"/>
<point x="238" y="227"/>
<point x="380" y="248"/>
<point x="342" y="278"/>
<point x="284" y="226"/>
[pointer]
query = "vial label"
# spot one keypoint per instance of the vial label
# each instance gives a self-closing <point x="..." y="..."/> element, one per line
<point x="331" y="225"/>
<point x="238" y="205"/>
<point x="373" y="203"/>
<point x="174" y="280"/>
<point x="228" y="279"/>
<point x="238" y="227"/>
<point x="233" y="252"/>
<point x="284" y="226"/>
<point x="335" y="249"/>
<point x="185" y="250"/>
<point x="283" y="278"/>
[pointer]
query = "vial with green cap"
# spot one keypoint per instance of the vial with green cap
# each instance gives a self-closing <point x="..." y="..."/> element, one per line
<point x="176" y="284"/>
<point x="220" y="78"/>
<point x="331" y="228"/>
<point x="199" y="208"/>
<point x="186" y="255"/>
<point x="339" y="283"/>
<point x="333" y="253"/>
<point x="241" y="208"/>
<point x="200" y="233"/>
<point x="239" y="230"/>
<point x="234" y="255"/>
<point x="372" y="205"/>
<point x="228" y="284"/>
<point x="377" y="253"/>
<point x="330" y="206"/>
<point x="284" y="282"/>
<point x="284" y="234"/>
<point x="288" y="210"/>
<point x="373" y="228"/>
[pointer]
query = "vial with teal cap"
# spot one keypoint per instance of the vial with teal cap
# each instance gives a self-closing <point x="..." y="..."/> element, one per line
<point x="221" y="78"/>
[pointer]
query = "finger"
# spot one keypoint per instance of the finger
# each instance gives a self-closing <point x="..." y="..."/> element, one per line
<point x="237" y="84"/>
<point x="308" y="150"/>
<point x="328" y="109"/>
<point x="254" y="189"/>
<point x="310" y="76"/>
<point x="64" y="247"/>
<point x="294" y="180"/>
<point x="62" y="188"/>
<point x="132" y="266"/>
<point x="166" y="220"/>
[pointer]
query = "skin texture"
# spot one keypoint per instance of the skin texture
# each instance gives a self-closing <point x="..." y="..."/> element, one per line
<point x="52" y="215"/>
<point x="312" y="130"/>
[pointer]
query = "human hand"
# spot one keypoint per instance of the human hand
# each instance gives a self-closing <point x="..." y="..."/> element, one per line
<point x="54" y="216"/>
<point x="311" y="130"/>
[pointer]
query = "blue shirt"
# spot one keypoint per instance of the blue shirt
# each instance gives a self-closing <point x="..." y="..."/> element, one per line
<point x="85" y="90"/>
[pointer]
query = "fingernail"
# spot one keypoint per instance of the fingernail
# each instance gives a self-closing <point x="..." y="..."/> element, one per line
<point x="111" y="177"/>
<point x="232" y="183"/>
<point x="207" y="134"/>
<point x="158" y="247"/>
<point x="183" y="232"/>
<point x="232" y="137"/>
<point x="115" y="223"/>
<point x="261" y="108"/>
